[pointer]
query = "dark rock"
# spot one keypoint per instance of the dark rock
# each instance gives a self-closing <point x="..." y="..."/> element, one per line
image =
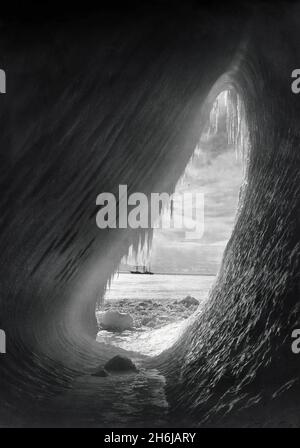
<point x="100" y="372"/>
<point x="120" y="364"/>
<point x="189" y="301"/>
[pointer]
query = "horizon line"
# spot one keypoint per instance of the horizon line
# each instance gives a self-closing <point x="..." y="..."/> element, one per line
<point x="171" y="273"/>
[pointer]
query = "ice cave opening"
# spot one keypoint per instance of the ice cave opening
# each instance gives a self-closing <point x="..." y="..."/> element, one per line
<point x="123" y="106"/>
<point x="164" y="281"/>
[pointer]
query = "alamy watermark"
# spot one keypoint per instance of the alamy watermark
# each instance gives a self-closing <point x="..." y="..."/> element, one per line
<point x="2" y="341"/>
<point x="296" y="83"/>
<point x="296" y="342"/>
<point x="2" y="81"/>
<point x="181" y="211"/>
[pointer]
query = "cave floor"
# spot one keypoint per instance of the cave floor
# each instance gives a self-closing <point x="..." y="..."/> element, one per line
<point x="120" y="400"/>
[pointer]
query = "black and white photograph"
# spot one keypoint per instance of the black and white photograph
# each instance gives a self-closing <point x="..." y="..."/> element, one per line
<point x="150" y="217"/>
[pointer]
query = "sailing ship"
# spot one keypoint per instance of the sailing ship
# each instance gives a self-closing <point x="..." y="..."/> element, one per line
<point x="141" y="270"/>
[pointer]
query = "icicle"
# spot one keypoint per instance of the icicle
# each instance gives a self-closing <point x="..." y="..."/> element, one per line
<point x="230" y="103"/>
<point x="236" y="126"/>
